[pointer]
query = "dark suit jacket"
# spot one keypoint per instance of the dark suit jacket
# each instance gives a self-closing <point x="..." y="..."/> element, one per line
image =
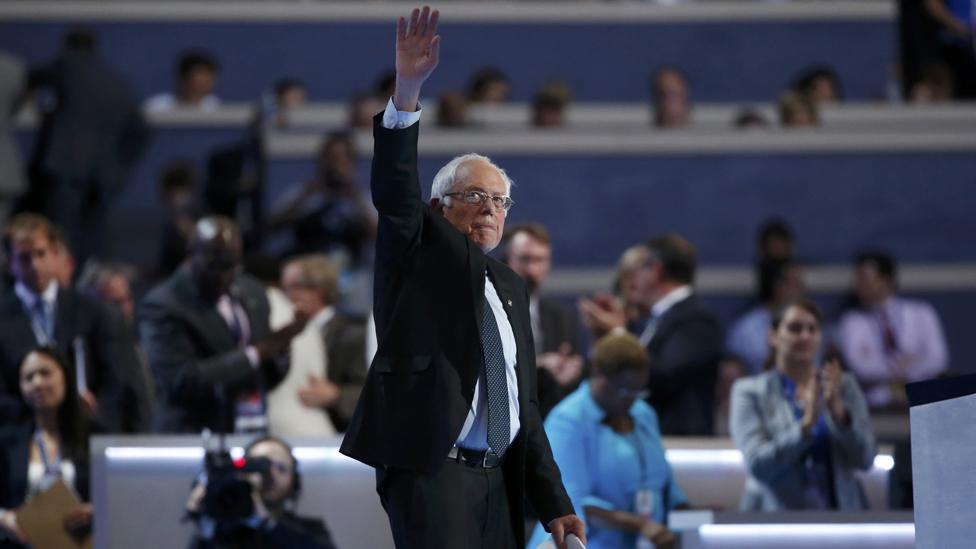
<point x="428" y="298"/>
<point x="112" y="362"/>
<point x="685" y="351"/>
<point x="558" y="326"/>
<point x="290" y="530"/>
<point x="191" y="351"/>
<point x="345" y="346"/>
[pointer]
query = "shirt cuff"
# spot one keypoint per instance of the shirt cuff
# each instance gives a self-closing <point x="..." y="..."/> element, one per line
<point x="398" y="120"/>
<point x="594" y="501"/>
<point x="252" y="355"/>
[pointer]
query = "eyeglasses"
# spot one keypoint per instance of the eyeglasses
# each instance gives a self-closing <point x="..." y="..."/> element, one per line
<point x="503" y="203"/>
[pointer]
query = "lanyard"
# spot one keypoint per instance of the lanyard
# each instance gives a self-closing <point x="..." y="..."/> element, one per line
<point x="52" y="468"/>
<point x="633" y="439"/>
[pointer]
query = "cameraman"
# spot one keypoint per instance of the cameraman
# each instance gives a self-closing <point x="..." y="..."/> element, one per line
<point x="273" y="494"/>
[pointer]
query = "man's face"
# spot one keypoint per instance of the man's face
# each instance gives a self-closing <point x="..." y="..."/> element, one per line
<point x="482" y="223"/>
<point x="215" y="263"/>
<point x="305" y="300"/>
<point x="672" y="99"/>
<point x="199" y="82"/>
<point x="33" y="260"/>
<point x="530" y="259"/>
<point x="116" y="290"/>
<point x="871" y="287"/>
<point x="278" y="485"/>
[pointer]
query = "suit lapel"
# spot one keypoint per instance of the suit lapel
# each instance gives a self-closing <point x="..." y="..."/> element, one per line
<point x="64" y="320"/>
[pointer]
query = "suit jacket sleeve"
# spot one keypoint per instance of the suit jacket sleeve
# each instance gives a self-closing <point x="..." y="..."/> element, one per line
<point x="688" y="356"/>
<point x="176" y="363"/>
<point x="855" y="441"/>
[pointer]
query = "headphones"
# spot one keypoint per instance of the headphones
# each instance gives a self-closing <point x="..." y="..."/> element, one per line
<point x="296" y="477"/>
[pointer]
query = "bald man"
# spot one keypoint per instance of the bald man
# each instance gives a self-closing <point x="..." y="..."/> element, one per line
<point x="206" y="334"/>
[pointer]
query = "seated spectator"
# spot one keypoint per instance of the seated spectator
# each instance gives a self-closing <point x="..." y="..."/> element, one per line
<point x="49" y="443"/>
<point x="803" y="430"/>
<point x="670" y="98"/>
<point x="328" y="358"/>
<point x="362" y="108"/>
<point x="275" y="495"/>
<point x="276" y="107"/>
<point x="549" y="105"/>
<point x="780" y="281"/>
<point x="607" y="444"/>
<point x="384" y="85"/>
<point x="206" y="333"/>
<point x="178" y="185"/>
<point x="452" y="110"/>
<point x="889" y="340"/>
<point x="774" y="240"/>
<point x="957" y="25"/>
<point x="196" y="79"/>
<point x="821" y="85"/>
<point x="797" y="111"/>
<point x="748" y="119"/>
<point x="936" y="85"/>
<point x="527" y="250"/>
<point x="38" y="311"/>
<point x="489" y="86"/>
<point x="330" y="212"/>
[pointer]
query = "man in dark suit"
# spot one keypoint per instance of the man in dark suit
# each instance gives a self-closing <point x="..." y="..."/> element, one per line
<point x="38" y="311"/>
<point x="449" y="416"/>
<point x="90" y="137"/>
<point x="683" y="337"/>
<point x="328" y="366"/>
<point x="528" y="251"/>
<point x="205" y="332"/>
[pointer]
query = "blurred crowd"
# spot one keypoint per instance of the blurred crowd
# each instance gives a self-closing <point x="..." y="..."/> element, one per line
<point x="243" y="324"/>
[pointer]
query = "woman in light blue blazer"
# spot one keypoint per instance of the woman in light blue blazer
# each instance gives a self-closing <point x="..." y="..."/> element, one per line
<point x="607" y="444"/>
<point x="803" y="430"/>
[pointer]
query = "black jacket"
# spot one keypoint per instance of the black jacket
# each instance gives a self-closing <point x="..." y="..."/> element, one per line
<point x="428" y="298"/>
<point x="291" y="531"/>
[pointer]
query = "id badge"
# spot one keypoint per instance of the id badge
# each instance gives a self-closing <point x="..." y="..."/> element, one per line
<point x="644" y="506"/>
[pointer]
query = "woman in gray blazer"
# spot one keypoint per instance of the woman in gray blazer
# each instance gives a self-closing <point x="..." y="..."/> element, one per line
<point x="802" y="430"/>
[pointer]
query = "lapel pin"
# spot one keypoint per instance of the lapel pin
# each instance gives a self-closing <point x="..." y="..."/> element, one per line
<point x="509" y="302"/>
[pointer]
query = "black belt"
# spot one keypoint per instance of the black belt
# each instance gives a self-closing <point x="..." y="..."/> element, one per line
<point x="475" y="458"/>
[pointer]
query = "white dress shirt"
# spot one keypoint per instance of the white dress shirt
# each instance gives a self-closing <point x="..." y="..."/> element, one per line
<point x="474" y="432"/>
<point x="29" y="300"/>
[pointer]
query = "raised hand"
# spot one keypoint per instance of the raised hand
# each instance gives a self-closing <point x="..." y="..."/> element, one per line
<point x="417" y="54"/>
<point x="832" y="376"/>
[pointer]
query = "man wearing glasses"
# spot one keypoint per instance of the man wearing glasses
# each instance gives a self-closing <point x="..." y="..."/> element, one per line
<point x="449" y="415"/>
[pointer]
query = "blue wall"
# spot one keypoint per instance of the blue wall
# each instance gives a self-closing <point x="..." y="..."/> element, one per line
<point x="741" y="61"/>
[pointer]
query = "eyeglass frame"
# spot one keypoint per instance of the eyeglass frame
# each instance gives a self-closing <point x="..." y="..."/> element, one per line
<point x="505" y="206"/>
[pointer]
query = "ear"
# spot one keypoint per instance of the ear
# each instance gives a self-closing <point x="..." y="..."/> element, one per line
<point x="437" y="205"/>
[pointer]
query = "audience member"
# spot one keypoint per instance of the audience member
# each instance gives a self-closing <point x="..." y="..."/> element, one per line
<point x="275" y="495"/>
<point x="40" y="312"/>
<point x="607" y="444"/>
<point x="632" y="287"/>
<point x="820" y="85"/>
<point x="684" y="338"/>
<point x="13" y="82"/>
<point x="178" y="184"/>
<point x="385" y="84"/>
<point x="196" y="79"/>
<point x="957" y="22"/>
<point x="64" y="266"/>
<point x="452" y="110"/>
<point x="489" y="86"/>
<point x="549" y="105"/>
<point x="889" y="340"/>
<point x="88" y="142"/>
<point x="936" y="84"/>
<point x="328" y="358"/>
<point x="774" y="240"/>
<point x="527" y="250"/>
<point x="205" y="332"/>
<point x="797" y="111"/>
<point x="362" y="108"/>
<point x="780" y="281"/>
<point x="47" y="445"/>
<point x="330" y="212"/>
<point x="803" y="430"/>
<point x="670" y="98"/>
<point x="287" y="95"/>
<point x="748" y="119"/>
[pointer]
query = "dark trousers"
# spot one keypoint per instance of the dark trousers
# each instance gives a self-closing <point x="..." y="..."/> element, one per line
<point x="459" y="506"/>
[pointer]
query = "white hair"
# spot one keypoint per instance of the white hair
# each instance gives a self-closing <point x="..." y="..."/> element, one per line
<point x="446" y="177"/>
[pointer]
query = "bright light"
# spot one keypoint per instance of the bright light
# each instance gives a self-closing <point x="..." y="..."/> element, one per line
<point x="704" y="457"/>
<point x="153" y="454"/>
<point x="729" y="531"/>
<point x="884" y="462"/>
<point x="306" y="453"/>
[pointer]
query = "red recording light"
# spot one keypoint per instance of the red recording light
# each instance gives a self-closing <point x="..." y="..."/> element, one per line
<point x="240" y="463"/>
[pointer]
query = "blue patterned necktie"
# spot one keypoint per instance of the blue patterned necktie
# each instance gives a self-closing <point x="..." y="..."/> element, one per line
<point x="499" y="424"/>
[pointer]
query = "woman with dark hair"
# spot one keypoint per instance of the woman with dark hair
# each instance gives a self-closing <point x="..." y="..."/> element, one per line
<point x="48" y="445"/>
<point x="802" y="430"/>
<point x="607" y="443"/>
